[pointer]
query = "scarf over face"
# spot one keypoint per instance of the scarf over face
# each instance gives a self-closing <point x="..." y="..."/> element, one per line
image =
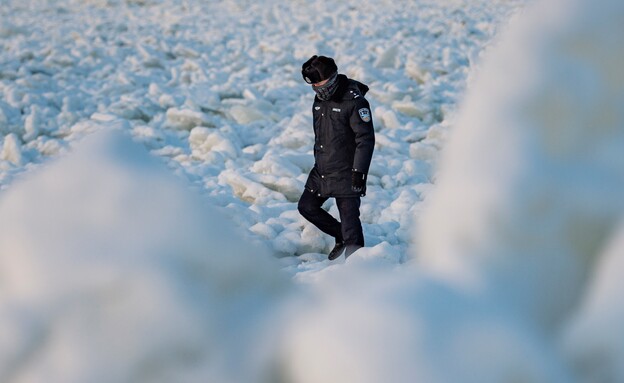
<point x="326" y="91"/>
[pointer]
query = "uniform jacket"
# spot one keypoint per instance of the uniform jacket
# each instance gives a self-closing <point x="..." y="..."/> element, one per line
<point x="344" y="140"/>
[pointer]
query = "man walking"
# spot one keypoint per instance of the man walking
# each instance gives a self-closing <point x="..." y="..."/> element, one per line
<point x="343" y="148"/>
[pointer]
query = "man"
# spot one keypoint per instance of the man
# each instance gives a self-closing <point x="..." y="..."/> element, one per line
<point x="343" y="148"/>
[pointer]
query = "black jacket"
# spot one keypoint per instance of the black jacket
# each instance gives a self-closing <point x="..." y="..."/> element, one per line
<point x="344" y="140"/>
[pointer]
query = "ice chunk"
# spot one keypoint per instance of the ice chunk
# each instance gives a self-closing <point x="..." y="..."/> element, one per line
<point x="203" y="141"/>
<point x="263" y="230"/>
<point x="388" y="117"/>
<point x="12" y="149"/>
<point x="201" y="96"/>
<point x="249" y="190"/>
<point x="32" y="123"/>
<point x="388" y="58"/>
<point x="246" y="114"/>
<point x="278" y="165"/>
<point x="186" y="119"/>
<point x="414" y="70"/>
<point x="290" y="187"/>
<point x="412" y="109"/>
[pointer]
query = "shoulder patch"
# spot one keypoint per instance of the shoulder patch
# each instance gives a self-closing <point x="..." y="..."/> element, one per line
<point x="365" y="114"/>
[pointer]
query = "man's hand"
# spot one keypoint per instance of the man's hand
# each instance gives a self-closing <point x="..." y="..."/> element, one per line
<point x="358" y="181"/>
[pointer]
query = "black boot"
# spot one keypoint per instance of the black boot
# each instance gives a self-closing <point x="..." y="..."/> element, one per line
<point x="352" y="249"/>
<point x="336" y="251"/>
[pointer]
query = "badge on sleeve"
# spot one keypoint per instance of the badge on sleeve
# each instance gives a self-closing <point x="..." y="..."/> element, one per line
<point x="365" y="114"/>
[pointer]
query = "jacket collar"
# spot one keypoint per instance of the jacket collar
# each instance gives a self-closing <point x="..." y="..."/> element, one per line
<point x="343" y="83"/>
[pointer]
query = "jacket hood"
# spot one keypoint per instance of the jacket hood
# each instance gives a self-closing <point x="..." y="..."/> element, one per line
<point x="347" y="88"/>
<point x="363" y="88"/>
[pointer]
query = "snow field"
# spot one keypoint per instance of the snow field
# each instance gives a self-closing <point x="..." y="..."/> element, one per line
<point x="111" y="271"/>
<point x="221" y="98"/>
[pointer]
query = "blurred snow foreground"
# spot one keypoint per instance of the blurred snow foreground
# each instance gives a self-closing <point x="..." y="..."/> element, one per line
<point x="112" y="272"/>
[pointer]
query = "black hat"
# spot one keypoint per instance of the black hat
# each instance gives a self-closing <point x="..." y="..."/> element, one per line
<point x="318" y="68"/>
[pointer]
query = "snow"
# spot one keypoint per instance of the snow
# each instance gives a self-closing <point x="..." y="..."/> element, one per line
<point x="402" y="326"/>
<point x="12" y="150"/>
<point x="113" y="271"/>
<point x="152" y="153"/>
<point x="593" y="338"/>
<point x="537" y="209"/>
<point x="542" y="201"/>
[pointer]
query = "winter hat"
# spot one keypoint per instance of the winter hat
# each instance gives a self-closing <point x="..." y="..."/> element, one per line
<point x="318" y="68"/>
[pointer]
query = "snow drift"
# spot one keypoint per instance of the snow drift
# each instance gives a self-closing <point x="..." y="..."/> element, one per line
<point x="530" y="185"/>
<point x="375" y="324"/>
<point x="112" y="271"/>
<point x="593" y="338"/>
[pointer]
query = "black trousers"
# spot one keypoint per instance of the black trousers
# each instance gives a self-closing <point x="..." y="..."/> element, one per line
<point x="348" y="230"/>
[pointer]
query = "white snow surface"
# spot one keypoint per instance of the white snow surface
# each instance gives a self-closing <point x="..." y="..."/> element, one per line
<point x="537" y="155"/>
<point x="215" y="89"/>
<point x="121" y="266"/>
<point x="114" y="272"/>
<point x="532" y="177"/>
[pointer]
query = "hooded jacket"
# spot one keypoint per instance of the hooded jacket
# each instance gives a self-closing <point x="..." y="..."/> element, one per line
<point x="344" y="140"/>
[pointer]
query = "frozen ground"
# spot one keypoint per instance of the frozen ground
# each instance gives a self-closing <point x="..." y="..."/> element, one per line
<point x="112" y="270"/>
<point x="221" y="100"/>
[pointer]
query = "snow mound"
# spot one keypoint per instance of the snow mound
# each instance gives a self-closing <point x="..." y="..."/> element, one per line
<point x="401" y="327"/>
<point x="530" y="183"/>
<point x="112" y="271"/>
<point x="594" y="338"/>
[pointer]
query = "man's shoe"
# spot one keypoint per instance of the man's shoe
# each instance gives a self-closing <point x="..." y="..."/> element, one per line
<point x="336" y="251"/>
<point x="352" y="249"/>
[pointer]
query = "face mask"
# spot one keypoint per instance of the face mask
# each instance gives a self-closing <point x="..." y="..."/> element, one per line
<point x="326" y="91"/>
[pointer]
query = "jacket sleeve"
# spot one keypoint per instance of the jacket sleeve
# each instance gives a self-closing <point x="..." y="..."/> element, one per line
<point x="362" y="124"/>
